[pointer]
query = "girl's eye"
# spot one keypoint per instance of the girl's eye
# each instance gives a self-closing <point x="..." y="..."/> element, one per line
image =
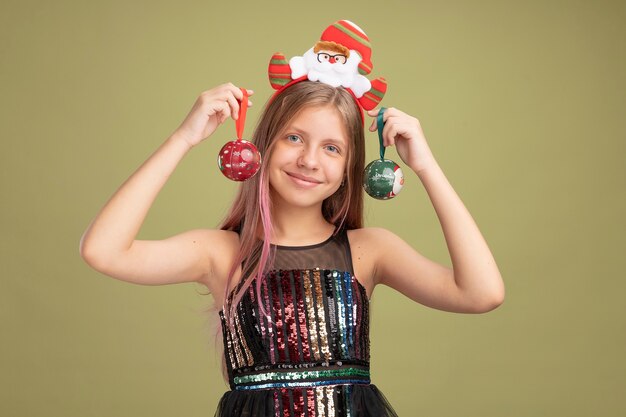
<point x="293" y="138"/>
<point x="332" y="148"/>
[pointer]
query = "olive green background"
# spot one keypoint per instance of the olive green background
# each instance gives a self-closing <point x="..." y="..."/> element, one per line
<point x="523" y="105"/>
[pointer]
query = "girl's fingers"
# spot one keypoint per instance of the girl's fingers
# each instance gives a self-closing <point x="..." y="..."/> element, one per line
<point x="389" y="112"/>
<point x="390" y="130"/>
<point x="373" y="113"/>
<point x="389" y="134"/>
<point x="373" y="126"/>
<point x="397" y="123"/>
<point x="221" y="110"/>
<point x="237" y="91"/>
<point x="234" y="105"/>
<point x="395" y="127"/>
<point x="233" y="89"/>
<point x="250" y="92"/>
<point x="235" y="98"/>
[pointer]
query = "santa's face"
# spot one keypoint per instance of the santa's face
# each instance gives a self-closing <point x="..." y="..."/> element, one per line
<point x="328" y="61"/>
<point x="398" y="180"/>
<point x="331" y="58"/>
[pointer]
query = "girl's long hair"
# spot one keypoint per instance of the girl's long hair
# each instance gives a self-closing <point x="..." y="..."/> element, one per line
<point x="252" y="207"/>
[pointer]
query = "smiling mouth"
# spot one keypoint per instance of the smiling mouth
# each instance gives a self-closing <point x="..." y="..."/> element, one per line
<point x="302" y="180"/>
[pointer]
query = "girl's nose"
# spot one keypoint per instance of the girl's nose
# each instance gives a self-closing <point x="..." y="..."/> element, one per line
<point x="308" y="159"/>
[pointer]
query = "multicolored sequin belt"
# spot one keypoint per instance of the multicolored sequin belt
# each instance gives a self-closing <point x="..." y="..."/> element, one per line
<point x="339" y="374"/>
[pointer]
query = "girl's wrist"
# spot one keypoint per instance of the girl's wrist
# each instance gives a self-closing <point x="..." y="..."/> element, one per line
<point x="424" y="169"/>
<point x="180" y="139"/>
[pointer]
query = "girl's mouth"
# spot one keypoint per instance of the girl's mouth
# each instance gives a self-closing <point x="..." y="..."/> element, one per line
<point x="303" y="180"/>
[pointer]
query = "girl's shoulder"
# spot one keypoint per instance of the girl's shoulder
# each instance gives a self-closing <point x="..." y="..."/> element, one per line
<point x="219" y="242"/>
<point x="222" y="247"/>
<point x="365" y="248"/>
<point x="368" y="241"/>
<point x="369" y="236"/>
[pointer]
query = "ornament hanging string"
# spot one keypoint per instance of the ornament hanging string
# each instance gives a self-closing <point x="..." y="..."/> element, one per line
<point x="380" y="123"/>
<point x="241" y="120"/>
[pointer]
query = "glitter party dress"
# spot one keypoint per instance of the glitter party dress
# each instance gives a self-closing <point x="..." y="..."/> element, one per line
<point x="309" y="357"/>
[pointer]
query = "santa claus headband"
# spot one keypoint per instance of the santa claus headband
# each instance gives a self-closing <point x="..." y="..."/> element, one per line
<point x="341" y="58"/>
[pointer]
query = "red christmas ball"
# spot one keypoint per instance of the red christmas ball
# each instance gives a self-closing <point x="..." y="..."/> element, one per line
<point x="239" y="160"/>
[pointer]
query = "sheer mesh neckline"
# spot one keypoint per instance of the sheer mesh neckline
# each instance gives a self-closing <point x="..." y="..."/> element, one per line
<point x="313" y="246"/>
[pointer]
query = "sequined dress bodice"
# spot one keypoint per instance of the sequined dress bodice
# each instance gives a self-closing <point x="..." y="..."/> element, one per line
<point x="307" y="353"/>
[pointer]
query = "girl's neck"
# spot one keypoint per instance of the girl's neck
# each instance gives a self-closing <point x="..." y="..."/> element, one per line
<point x="299" y="226"/>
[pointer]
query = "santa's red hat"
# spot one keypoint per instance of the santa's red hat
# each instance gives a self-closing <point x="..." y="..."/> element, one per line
<point x="348" y="34"/>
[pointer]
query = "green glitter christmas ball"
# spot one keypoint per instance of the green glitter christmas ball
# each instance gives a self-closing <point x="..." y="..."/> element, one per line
<point x="383" y="179"/>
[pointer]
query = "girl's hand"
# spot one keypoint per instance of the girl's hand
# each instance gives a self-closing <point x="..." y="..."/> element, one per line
<point x="209" y="111"/>
<point x="406" y="134"/>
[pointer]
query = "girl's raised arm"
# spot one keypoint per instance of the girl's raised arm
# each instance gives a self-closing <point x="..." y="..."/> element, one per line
<point x="473" y="284"/>
<point x="109" y="245"/>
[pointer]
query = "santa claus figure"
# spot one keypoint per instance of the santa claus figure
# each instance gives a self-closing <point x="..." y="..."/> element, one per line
<point x="331" y="63"/>
<point x="342" y="57"/>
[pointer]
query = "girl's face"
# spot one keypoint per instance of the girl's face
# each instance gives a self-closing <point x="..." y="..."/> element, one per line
<point x="308" y="160"/>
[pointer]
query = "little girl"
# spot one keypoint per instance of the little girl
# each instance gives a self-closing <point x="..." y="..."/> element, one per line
<point x="292" y="265"/>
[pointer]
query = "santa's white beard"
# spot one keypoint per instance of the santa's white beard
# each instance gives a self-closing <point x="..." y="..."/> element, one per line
<point x="335" y="74"/>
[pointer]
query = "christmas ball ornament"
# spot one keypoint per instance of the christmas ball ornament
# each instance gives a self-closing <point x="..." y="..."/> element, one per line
<point x="239" y="159"/>
<point x="383" y="179"/>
